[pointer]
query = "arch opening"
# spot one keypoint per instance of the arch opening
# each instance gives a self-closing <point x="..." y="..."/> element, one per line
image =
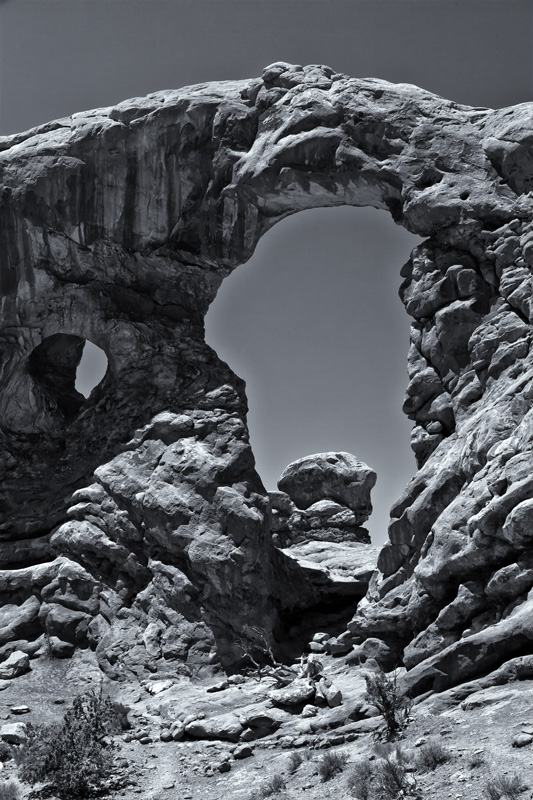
<point x="313" y="325"/>
<point x="67" y="368"/>
<point x="91" y="369"/>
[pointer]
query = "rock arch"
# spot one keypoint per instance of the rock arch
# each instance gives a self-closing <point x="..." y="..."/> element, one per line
<point x="125" y="221"/>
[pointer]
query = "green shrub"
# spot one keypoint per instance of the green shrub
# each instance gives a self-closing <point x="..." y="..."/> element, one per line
<point x="331" y="764"/>
<point x="73" y="758"/>
<point x="382" y="692"/>
<point x="10" y="790"/>
<point x="432" y="754"/>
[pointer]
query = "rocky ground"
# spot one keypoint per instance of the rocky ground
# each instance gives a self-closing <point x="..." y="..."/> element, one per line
<point x="486" y="735"/>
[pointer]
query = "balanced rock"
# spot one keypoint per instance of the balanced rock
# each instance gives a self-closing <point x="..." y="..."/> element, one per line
<point x="340" y="477"/>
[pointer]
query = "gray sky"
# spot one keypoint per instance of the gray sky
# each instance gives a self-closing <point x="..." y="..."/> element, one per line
<point x="313" y="321"/>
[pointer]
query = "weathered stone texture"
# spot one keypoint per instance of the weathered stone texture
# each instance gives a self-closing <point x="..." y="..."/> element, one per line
<point x="326" y="497"/>
<point x="118" y="226"/>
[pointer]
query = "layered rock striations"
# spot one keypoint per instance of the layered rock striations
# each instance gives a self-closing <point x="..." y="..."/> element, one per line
<point x="134" y="519"/>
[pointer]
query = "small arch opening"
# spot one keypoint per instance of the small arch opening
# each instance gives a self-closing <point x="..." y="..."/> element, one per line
<point x="91" y="369"/>
<point x="67" y="368"/>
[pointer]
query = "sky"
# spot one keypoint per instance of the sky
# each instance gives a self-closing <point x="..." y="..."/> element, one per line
<point x="312" y="322"/>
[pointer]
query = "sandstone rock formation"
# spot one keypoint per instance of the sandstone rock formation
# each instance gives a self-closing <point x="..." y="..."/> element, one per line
<point x="316" y="520"/>
<point x="325" y="497"/>
<point x="135" y="517"/>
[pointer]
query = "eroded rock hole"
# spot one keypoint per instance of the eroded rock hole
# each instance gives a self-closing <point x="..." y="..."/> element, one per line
<point x="314" y="325"/>
<point x="63" y="371"/>
<point x="91" y="369"/>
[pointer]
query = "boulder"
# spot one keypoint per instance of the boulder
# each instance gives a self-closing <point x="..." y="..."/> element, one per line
<point x="522" y="740"/>
<point x="224" y="726"/>
<point x="337" y="570"/>
<point x="17" y="664"/>
<point x="372" y="648"/>
<point x="158" y="687"/>
<point x="299" y="692"/>
<point x="177" y="730"/>
<point x="340" y="477"/>
<point x="337" y="647"/>
<point x="331" y="693"/>
<point x="20" y="621"/>
<point x="13" y="733"/>
<point x="59" y="648"/>
<point x="242" y="751"/>
<point x="263" y="719"/>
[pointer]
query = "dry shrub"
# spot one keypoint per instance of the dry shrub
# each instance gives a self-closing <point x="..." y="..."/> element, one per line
<point x="432" y="755"/>
<point x="271" y="787"/>
<point x="295" y="760"/>
<point x="359" y="781"/>
<point x="331" y="764"/>
<point x="383" y="693"/>
<point x="500" y="786"/>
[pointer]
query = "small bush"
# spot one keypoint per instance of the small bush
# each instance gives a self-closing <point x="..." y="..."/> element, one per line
<point x="476" y="760"/>
<point x="295" y="760"/>
<point x="331" y="764"/>
<point x="382" y="692"/>
<point x="359" y="781"/>
<point x="10" y="790"/>
<point x="391" y="778"/>
<point x="5" y="751"/>
<point x="507" y="786"/>
<point x="273" y="786"/>
<point x="388" y="749"/>
<point x="432" y="754"/>
<point x="120" y="712"/>
<point x="72" y="758"/>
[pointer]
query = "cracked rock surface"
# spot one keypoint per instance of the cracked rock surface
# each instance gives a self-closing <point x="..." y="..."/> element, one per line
<point x="135" y="517"/>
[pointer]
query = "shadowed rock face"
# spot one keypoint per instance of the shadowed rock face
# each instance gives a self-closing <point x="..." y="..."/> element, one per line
<point x="136" y="517"/>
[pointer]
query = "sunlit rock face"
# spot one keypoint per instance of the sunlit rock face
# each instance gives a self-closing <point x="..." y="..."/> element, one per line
<point x="135" y="517"/>
<point x="325" y="497"/>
